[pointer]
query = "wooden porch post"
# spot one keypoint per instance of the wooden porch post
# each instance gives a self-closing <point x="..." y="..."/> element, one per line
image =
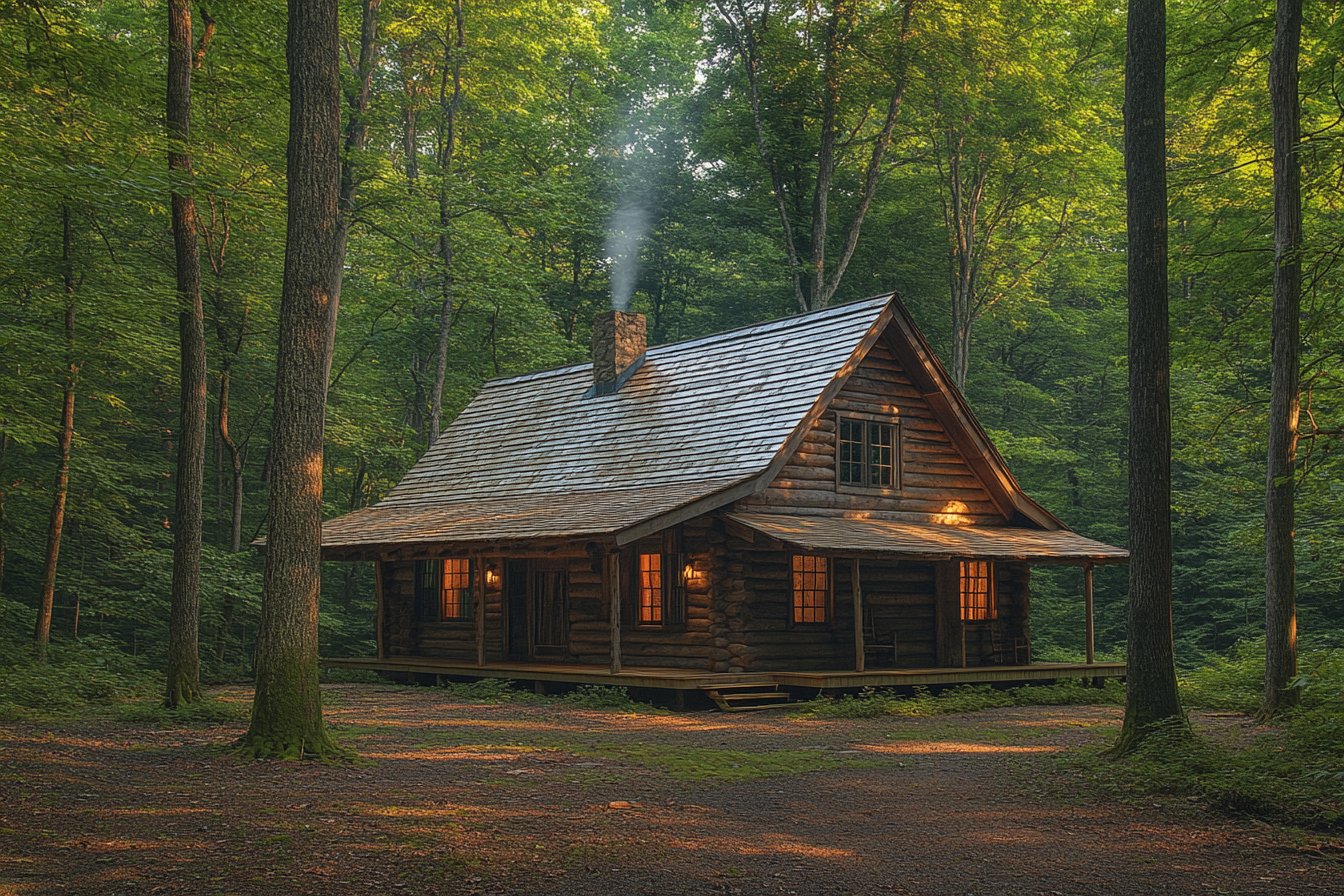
<point x="613" y="569"/>
<point x="1091" y="625"/>
<point x="859" y="658"/>
<point x="480" y="609"/>
<point x="379" y="612"/>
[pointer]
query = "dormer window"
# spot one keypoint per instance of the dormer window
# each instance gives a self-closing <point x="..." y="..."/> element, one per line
<point x="868" y="453"/>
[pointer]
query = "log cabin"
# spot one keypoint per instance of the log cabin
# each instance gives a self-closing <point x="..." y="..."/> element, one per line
<point x="805" y="503"/>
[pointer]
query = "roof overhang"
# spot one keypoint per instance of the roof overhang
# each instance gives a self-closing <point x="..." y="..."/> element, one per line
<point x="927" y="540"/>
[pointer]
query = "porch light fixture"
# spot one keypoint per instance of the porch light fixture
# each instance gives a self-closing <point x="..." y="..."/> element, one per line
<point x="689" y="574"/>
<point x="491" y="575"/>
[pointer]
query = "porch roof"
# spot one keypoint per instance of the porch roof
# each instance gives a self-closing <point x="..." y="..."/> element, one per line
<point x="927" y="540"/>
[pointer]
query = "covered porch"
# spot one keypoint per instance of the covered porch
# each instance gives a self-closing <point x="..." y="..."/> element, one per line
<point x="856" y="542"/>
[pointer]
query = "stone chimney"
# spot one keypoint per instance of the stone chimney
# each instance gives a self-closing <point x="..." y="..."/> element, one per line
<point x="619" y="341"/>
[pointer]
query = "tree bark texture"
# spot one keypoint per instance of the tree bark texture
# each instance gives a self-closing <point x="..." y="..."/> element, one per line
<point x="1151" y="696"/>
<point x="287" y="709"/>
<point x="46" y="598"/>
<point x="1280" y="486"/>
<point x="4" y="544"/>
<point x="184" y="662"/>
<point x="449" y="104"/>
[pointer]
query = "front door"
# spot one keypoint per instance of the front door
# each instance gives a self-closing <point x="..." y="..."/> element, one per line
<point x="536" y="609"/>
<point x="517" y="644"/>
<point x="549" y="607"/>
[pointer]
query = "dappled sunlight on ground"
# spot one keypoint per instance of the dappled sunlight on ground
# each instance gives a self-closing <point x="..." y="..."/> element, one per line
<point x="534" y="798"/>
<point x="912" y="747"/>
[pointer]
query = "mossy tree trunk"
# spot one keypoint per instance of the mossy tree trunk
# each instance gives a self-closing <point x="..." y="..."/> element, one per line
<point x="184" y="661"/>
<point x="1152" y="700"/>
<point x="287" y="709"/>
<point x="1280" y="487"/>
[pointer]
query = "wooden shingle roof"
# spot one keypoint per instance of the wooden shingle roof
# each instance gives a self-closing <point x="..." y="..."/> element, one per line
<point x="534" y="457"/>
<point x="856" y="534"/>
<point x="697" y="426"/>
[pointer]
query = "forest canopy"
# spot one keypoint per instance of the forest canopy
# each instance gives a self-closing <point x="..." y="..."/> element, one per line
<point x="524" y="160"/>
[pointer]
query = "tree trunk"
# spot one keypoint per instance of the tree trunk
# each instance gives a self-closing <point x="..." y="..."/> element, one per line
<point x="1280" y="563"/>
<point x="184" y="662"/>
<point x="4" y="448"/>
<point x="217" y="243"/>
<point x="235" y="457"/>
<point x="1151" y="698"/>
<point x="61" y="490"/>
<point x="287" y="709"/>
<point x="356" y="138"/>
<point x="449" y="105"/>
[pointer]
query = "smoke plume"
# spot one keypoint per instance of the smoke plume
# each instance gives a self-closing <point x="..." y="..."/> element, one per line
<point x="625" y="238"/>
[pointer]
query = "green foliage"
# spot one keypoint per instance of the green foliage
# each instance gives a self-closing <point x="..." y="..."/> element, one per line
<point x="871" y="703"/>
<point x="203" y="713"/>
<point x="1234" y="682"/>
<point x="92" y="675"/>
<point x="1292" y="775"/>
<point x="561" y="117"/>
<point x="489" y="690"/>
<point x="599" y="696"/>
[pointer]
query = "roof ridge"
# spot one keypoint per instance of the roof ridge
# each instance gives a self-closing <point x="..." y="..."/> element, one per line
<point x="778" y="323"/>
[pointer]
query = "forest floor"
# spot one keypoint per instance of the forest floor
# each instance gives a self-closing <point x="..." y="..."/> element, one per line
<point x="526" y="797"/>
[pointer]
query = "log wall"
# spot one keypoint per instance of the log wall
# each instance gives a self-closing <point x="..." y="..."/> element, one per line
<point x="682" y="646"/>
<point x="918" y="602"/>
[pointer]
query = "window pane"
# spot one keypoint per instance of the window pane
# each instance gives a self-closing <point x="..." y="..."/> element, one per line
<point x="456" y="594"/>
<point x="881" y="454"/>
<point x="811" y="588"/>
<point x="977" y="591"/>
<point x="650" y="589"/>
<point x="850" y="458"/>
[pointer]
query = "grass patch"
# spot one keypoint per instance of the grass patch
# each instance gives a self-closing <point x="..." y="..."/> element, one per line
<point x="490" y="690"/>
<point x="204" y="713"/>
<point x="78" y="676"/>
<point x="871" y="703"/>
<point x="686" y="763"/>
<point x="1291" y="773"/>
<point x="351" y="676"/>
<point x="600" y="696"/>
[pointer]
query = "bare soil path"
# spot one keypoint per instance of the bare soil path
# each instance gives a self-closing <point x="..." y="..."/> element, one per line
<point x="526" y="798"/>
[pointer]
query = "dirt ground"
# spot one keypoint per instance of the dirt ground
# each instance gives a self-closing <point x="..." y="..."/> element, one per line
<point x="525" y="798"/>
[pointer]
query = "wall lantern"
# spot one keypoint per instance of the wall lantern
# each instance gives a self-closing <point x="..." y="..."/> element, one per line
<point x="491" y="575"/>
<point x="690" y="574"/>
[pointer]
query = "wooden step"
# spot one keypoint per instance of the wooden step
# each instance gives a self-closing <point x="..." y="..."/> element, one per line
<point x="744" y="698"/>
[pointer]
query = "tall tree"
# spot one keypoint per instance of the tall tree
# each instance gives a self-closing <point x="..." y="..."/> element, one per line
<point x="184" y="661"/>
<point x="1280" y="485"/>
<point x="831" y="37"/>
<point x="1151" y="698"/>
<point x="287" y="708"/>
<point x="46" y="599"/>
<point x="450" y="102"/>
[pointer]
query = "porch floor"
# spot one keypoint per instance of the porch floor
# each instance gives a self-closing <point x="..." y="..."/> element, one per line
<point x="665" y="678"/>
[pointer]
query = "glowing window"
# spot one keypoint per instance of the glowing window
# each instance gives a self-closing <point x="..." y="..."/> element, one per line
<point x="977" y="591"/>
<point x="455" y="595"/>
<point x="811" y="589"/>
<point x="651" y="589"/>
